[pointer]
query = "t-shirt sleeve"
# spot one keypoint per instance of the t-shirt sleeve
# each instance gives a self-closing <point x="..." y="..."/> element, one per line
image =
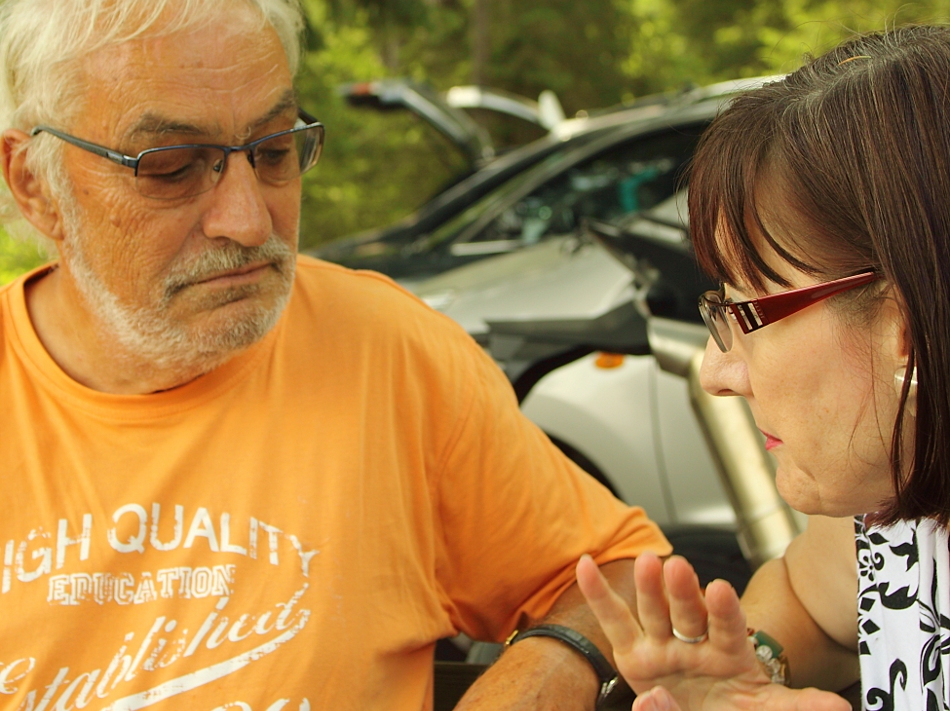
<point x="516" y="514"/>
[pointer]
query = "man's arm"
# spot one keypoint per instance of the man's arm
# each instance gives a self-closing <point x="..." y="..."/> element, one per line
<point x="540" y="673"/>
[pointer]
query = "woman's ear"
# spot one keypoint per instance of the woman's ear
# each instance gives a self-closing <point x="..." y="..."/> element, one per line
<point x="32" y="195"/>
<point x="897" y="345"/>
<point x="892" y="330"/>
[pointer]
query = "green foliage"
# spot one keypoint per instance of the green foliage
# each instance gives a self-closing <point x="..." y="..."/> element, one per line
<point x="18" y="256"/>
<point x="702" y="41"/>
<point x="376" y="166"/>
<point x="575" y="49"/>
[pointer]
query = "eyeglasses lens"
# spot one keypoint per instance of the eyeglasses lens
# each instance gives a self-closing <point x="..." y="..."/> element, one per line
<point x="713" y="310"/>
<point x="286" y="157"/>
<point x="182" y="172"/>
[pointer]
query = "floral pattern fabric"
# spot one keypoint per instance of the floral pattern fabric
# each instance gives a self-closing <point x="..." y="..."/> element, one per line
<point x="904" y="616"/>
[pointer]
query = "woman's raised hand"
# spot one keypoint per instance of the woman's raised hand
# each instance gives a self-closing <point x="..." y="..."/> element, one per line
<point x="714" y="669"/>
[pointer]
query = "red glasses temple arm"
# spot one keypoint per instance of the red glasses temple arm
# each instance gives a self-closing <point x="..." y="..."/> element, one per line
<point x="756" y="313"/>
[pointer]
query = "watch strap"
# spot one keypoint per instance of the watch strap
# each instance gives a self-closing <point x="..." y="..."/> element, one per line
<point x="606" y="674"/>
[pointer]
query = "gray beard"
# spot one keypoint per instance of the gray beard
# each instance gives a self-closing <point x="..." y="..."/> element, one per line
<point x="148" y="334"/>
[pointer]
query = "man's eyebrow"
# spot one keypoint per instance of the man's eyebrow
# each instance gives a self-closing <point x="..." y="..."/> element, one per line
<point x="152" y="124"/>
<point x="155" y="124"/>
<point x="288" y="101"/>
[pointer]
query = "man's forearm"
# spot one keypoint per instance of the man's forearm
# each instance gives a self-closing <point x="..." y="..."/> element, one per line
<point x="544" y="673"/>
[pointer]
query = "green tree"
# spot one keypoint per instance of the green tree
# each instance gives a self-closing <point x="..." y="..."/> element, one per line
<point x="376" y="167"/>
<point x="575" y="49"/>
<point x="697" y="41"/>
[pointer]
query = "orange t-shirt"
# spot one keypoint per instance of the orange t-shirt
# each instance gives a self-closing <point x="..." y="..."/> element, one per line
<point x="293" y="530"/>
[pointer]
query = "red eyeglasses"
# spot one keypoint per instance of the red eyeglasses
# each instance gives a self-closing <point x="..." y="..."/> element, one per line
<point x="754" y="314"/>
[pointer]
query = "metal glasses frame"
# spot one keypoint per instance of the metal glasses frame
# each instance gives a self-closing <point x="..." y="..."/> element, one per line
<point x="758" y="313"/>
<point x="133" y="161"/>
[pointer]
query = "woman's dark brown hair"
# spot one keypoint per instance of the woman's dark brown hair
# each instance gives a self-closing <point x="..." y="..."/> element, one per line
<point x="855" y="147"/>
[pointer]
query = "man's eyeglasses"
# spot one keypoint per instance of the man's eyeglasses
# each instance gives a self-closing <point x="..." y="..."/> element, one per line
<point x="754" y="314"/>
<point x="183" y="171"/>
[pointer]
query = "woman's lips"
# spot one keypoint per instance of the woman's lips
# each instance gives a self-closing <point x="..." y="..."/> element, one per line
<point x="771" y="441"/>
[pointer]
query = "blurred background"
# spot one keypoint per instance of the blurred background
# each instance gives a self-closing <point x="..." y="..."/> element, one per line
<point x="594" y="54"/>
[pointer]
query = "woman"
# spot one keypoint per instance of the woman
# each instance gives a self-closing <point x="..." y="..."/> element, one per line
<point x="834" y="182"/>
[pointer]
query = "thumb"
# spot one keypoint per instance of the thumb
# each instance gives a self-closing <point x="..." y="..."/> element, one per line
<point x="656" y="699"/>
<point x="816" y="700"/>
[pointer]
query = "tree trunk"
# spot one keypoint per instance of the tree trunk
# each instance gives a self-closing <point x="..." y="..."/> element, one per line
<point x="481" y="42"/>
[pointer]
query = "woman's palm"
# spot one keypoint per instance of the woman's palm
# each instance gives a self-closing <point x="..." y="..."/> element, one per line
<point x="721" y="673"/>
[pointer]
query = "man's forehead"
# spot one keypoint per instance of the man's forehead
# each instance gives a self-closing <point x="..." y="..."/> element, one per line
<point x="156" y="123"/>
<point x="212" y="82"/>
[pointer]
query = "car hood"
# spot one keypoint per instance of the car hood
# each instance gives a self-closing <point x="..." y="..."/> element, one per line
<point x="560" y="278"/>
<point x="456" y="125"/>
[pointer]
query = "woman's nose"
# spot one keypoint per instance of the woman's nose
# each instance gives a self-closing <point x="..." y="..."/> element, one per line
<point x="724" y="374"/>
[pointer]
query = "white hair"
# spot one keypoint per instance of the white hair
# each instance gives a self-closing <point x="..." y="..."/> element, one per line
<point x="42" y="41"/>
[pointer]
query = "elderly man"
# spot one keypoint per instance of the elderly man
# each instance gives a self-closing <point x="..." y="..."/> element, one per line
<point x="233" y="479"/>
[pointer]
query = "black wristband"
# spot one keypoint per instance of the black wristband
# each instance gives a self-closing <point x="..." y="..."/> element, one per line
<point x="606" y="674"/>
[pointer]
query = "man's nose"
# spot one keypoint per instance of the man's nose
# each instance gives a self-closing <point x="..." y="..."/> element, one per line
<point x="724" y="374"/>
<point x="238" y="209"/>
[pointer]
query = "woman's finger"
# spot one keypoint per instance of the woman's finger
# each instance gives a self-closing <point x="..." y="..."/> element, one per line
<point x="727" y="623"/>
<point x="652" y="605"/>
<point x="611" y="610"/>
<point x="687" y="607"/>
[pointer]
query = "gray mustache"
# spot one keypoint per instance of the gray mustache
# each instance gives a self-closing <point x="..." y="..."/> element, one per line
<point x="226" y="258"/>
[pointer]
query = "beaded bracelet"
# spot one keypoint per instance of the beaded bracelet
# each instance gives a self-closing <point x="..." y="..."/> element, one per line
<point x="769" y="653"/>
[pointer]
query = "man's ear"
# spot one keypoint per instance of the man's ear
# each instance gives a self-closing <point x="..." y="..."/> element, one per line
<point x="31" y="194"/>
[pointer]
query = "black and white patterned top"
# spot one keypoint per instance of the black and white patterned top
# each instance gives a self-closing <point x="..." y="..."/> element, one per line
<point x="904" y="616"/>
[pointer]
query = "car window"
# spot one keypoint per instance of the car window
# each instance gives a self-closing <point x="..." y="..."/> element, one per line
<point x="490" y="204"/>
<point x="623" y="179"/>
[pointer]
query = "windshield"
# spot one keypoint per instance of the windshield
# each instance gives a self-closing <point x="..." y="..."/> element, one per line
<point x="606" y="180"/>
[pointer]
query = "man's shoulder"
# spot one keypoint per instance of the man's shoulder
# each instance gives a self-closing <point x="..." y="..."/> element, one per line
<point x="357" y="297"/>
<point x="313" y="272"/>
<point x="16" y="284"/>
<point x="12" y="299"/>
<point x="374" y="321"/>
<point x="333" y="306"/>
<point x="6" y="292"/>
<point x="9" y="287"/>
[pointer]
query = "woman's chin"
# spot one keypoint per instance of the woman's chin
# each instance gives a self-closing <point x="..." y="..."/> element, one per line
<point x="799" y="491"/>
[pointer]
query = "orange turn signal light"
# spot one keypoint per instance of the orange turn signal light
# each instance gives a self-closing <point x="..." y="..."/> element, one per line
<point x="609" y="360"/>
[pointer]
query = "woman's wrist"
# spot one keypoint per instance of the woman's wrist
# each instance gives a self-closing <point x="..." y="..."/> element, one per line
<point x="770" y="655"/>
